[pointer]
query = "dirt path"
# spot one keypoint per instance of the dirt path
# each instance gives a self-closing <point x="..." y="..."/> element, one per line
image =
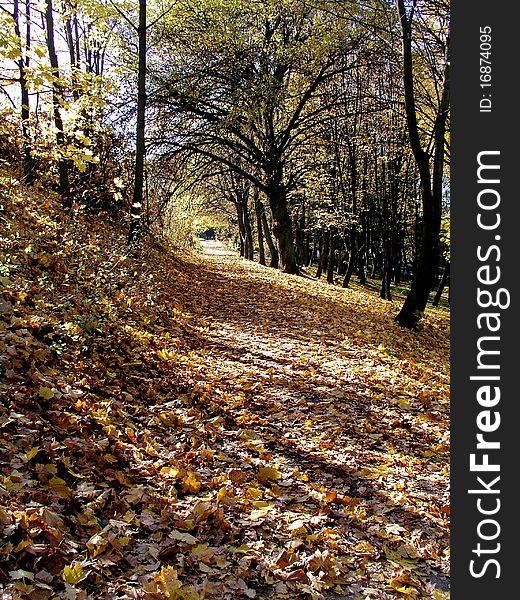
<point x="319" y="384"/>
<point x="215" y="248"/>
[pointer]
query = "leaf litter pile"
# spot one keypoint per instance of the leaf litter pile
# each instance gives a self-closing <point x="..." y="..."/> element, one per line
<point x="189" y="426"/>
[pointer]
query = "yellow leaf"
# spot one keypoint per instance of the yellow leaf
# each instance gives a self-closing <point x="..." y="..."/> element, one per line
<point x="298" y="524"/>
<point x="266" y="474"/>
<point x="256" y="515"/>
<point x="331" y="496"/>
<point x="170" y="587"/>
<point x="404" y="584"/>
<point x="170" y="471"/>
<point x="190" y="484"/>
<point x="32" y="453"/>
<point x="58" y="485"/>
<point x="73" y="574"/>
<point x="12" y="484"/>
<point x="45" y="393"/>
<point x="221" y="494"/>
<point x="253" y="493"/>
<point x="23" y="544"/>
<point x="398" y="558"/>
<point x="297" y="528"/>
<point x="166" y="354"/>
<point x="407" y="590"/>
<point x="96" y="545"/>
<point x="261" y="510"/>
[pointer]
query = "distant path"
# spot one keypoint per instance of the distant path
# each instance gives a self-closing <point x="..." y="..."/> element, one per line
<point x="216" y="248"/>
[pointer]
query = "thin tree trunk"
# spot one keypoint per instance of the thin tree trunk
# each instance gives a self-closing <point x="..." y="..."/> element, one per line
<point x="431" y="186"/>
<point x="298" y="242"/>
<point x="241" y="228"/>
<point x="324" y="254"/>
<point x="331" y="263"/>
<point x="259" y="228"/>
<point x="247" y="224"/>
<point x="136" y="210"/>
<point x="362" y="253"/>
<point x="57" y="98"/>
<point x="275" y="259"/>
<point x="442" y="284"/>
<point x="351" y="257"/>
<point x="29" y="167"/>
<point x="386" y="293"/>
<point x="315" y="246"/>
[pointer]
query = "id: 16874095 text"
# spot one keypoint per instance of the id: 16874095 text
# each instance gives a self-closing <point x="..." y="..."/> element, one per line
<point x="485" y="70"/>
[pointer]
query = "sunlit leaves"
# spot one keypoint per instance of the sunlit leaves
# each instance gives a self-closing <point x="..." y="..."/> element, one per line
<point x="213" y="431"/>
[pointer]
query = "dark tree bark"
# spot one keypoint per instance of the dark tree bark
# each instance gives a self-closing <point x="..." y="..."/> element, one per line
<point x="445" y="279"/>
<point x="315" y="247"/>
<point x="244" y="225"/>
<point x="57" y="98"/>
<point x="259" y="227"/>
<point x="331" y="263"/>
<point x="362" y="253"/>
<point x="386" y="293"/>
<point x="241" y="230"/>
<point x="353" y="251"/>
<point x="29" y="166"/>
<point x="268" y="238"/>
<point x="299" y="227"/>
<point x="282" y="225"/>
<point x="324" y="254"/>
<point x="353" y="229"/>
<point x="431" y="184"/>
<point x="136" y="210"/>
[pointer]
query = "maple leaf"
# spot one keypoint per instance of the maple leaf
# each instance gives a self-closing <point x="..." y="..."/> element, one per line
<point x="73" y="574"/>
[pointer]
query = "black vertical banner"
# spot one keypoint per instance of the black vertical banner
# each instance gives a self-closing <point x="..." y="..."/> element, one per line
<point x="485" y="192"/>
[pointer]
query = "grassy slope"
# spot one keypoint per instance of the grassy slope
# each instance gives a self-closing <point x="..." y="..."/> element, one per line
<point x="198" y="426"/>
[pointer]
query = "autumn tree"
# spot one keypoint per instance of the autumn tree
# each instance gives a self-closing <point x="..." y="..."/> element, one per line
<point x="430" y="161"/>
<point x="242" y="85"/>
<point x="137" y="199"/>
<point x="22" y="54"/>
<point x="57" y="101"/>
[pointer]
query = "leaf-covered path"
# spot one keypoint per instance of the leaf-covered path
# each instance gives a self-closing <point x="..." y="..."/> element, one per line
<point x="199" y="426"/>
<point x="349" y="411"/>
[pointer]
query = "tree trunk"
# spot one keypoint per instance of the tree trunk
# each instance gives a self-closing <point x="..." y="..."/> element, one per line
<point x="315" y="246"/>
<point x="244" y="226"/>
<point x="29" y="167"/>
<point x="57" y="97"/>
<point x="241" y="228"/>
<point x="362" y="252"/>
<point x="331" y="263"/>
<point x="442" y="284"/>
<point x="259" y="228"/>
<point x="324" y="254"/>
<point x="351" y="257"/>
<point x="282" y="225"/>
<point x="298" y="241"/>
<point x="275" y="259"/>
<point x="136" y="210"/>
<point x="386" y="293"/>
<point x="250" y="251"/>
<point x="431" y="191"/>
